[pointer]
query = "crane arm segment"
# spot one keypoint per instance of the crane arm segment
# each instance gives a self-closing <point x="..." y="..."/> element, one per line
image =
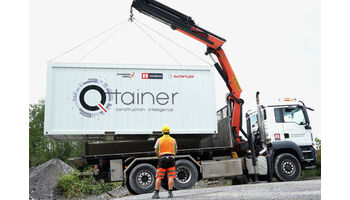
<point x="184" y="24"/>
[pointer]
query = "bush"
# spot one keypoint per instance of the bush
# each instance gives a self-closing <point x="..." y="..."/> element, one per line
<point x="74" y="184"/>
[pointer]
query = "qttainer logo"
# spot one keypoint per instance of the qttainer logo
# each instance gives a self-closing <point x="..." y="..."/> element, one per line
<point x="93" y="98"/>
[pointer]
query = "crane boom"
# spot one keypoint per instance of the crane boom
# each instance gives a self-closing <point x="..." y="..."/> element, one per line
<point x="184" y="24"/>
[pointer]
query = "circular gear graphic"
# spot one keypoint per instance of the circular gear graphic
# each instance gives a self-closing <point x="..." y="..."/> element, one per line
<point x="103" y="105"/>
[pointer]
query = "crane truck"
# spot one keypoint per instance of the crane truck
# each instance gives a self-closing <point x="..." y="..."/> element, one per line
<point x="278" y="141"/>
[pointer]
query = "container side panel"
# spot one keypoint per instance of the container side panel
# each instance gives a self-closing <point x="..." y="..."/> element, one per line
<point x="83" y="99"/>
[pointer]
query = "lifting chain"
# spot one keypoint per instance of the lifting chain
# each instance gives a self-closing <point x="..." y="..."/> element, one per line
<point x="131" y="19"/>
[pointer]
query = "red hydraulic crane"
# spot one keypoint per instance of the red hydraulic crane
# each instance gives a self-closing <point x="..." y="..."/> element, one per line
<point x="184" y="24"/>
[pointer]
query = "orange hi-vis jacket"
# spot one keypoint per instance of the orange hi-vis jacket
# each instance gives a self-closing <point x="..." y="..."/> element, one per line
<point x="166" y="145"/>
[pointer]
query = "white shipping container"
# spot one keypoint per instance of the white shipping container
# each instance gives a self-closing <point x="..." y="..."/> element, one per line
<point x="97" y="99"/>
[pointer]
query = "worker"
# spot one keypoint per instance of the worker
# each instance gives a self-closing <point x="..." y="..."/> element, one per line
<point x="165" y="148"/>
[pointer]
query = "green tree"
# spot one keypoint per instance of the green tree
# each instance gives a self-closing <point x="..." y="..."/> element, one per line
<point x="37" y="144"/>
<point x="41" y="147"/>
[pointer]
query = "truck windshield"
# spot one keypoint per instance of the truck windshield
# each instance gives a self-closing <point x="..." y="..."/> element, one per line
<point x="294" y="114"/>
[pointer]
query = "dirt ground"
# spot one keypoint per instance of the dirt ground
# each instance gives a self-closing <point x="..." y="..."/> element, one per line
<point x="294" y="190"/>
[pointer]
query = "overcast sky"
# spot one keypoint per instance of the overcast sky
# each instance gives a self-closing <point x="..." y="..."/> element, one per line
<point x="273" y="45"/>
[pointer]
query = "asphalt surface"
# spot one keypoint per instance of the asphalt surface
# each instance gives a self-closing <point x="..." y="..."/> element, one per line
<point x="296" y="190"/>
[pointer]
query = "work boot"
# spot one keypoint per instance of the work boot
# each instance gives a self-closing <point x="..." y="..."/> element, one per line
<point x="155" y="194"/>
<point x="170" y="194"/>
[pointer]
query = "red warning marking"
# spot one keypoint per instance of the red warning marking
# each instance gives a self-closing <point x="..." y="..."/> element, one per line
<point x="132" y="75"/>
<point x="102" y="107"/>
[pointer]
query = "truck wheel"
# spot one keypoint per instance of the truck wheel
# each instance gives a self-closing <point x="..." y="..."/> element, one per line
<point x="142" y="178"/>
<point x="129" y="188"/>
<point x="186" y="174"/>
<point x="287" y="167"/>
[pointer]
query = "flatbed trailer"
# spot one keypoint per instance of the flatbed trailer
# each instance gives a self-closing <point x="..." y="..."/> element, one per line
<point x="133" y="161"/>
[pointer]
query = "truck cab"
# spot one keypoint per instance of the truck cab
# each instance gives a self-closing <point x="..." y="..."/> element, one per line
<point x="289" y="138"/>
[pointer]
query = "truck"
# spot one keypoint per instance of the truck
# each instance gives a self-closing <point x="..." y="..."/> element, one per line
<point x="290" y="143"/>
<point x="278" y="141"/>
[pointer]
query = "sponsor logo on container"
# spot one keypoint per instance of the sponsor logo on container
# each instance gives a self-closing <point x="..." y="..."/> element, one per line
<point x="183" y="76"/>
<point x="126" y="75"/>
<point x="152" y="75"/>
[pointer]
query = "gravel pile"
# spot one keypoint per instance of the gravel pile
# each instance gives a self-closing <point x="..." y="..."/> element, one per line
<point x="42" y="179"/>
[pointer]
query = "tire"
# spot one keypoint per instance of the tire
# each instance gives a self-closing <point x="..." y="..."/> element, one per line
<point x="287" y="167"/>
<point x="186" y="174"/>
<point x="142" y="178"/>
<point x="129" y="188"/>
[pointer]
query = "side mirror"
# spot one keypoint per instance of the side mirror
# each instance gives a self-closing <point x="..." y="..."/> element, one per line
<point x="307" y="120"/>
<point x="308" y="127"/>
